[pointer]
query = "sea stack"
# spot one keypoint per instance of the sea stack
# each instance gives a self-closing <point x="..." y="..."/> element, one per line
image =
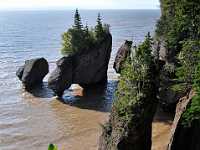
<point x="86" y="67"/>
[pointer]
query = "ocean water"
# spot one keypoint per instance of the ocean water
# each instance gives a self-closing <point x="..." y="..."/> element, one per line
<point x="33" y="120"/>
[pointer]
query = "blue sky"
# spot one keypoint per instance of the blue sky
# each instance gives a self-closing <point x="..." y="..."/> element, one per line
<point x="81" y="4"/>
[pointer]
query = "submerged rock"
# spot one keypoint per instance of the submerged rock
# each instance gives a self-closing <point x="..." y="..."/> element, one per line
<point x="33" y="72"/>
<point x="86" y="67"/>
<point x="184" y="137"/>
<point x="122" y="53"/>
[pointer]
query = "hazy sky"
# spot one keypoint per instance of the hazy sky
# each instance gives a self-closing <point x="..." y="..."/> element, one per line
<point x="81" y="4"/>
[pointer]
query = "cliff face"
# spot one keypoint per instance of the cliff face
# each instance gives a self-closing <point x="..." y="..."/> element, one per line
<point x="184" y="137"/>
<point x="177" y="55"/>
<point x="178" y="34"/>
<point x="134" y="134"/>
<point x="122" y="54"/>
<point x="129" y="127"/>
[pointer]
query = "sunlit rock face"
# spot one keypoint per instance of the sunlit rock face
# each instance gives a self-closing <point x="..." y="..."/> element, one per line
<point x="184" y="137"/>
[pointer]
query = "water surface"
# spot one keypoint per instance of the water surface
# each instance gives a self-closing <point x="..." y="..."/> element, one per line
<point x="32" y="121"/>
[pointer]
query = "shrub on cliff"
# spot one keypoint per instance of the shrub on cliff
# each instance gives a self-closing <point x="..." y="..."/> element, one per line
<point x="192" y="113"/>
<point x="80" y="38"/>
<point x="135" y="76"/>
<point x="189" y="57"/>
<point x="179" y="22"/>
<point x="179" y="26"/>
<point x="135" y="103"/>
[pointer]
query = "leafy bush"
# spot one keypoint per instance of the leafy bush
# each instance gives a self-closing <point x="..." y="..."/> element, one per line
<point x="52" y="147"/>
<point x="179" y="26"/>
<point x="189" y="57"/>
<point x="135" y="80"/>
<point x="193" y="111"/>
<point x="180" y="21"/>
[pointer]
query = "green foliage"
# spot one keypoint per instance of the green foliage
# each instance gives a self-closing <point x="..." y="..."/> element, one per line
<point x="99" y="27"/>
<point x="126" y="95"/>
<point x="145" y="49"/>
<point x="135" y="81"/>
<point x="80" y="38"/>
<point x="77" y="21"/>
<point x="179" y="26"/>
<point x="52" y="147"/>
<point x="193" y="111"/>
<point x="189" y="57"/>
<point x="179" y="22"/>
<point x="181" y="87"/>
<point x="66" y="44"/>
<point x="169" y="67"/>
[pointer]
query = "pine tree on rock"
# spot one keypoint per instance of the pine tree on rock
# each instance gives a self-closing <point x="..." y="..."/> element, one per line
<point x="99" y="27"/>
<point x="77" y="21"/>
<point x="79" y="37"/>
<point x="86" y="30"/>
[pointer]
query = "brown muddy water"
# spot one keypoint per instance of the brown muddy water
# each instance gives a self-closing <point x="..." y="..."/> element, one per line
<point x="161" y="129"/>
<point x="71" y="123"/>
<point x="31" y="121"/>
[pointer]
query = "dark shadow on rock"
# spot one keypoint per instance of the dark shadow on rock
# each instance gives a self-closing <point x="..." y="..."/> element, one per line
<point x="41" y="91"/>
<point x="162" y="116"/>
<point x="98" y="98"/>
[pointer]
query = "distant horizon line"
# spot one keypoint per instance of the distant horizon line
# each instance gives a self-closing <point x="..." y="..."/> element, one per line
<point x="72" y="9"/>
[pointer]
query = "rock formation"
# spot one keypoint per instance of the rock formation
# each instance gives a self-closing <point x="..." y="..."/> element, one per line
<point x="86" y="67"/>
<point x="130" y="123"/>
<point x="61" y="77"/>
<point x="33" y="72"/>
<point x="136" y="135"/>
<point x="122" y="53"/>
<point x="184" y="137"/>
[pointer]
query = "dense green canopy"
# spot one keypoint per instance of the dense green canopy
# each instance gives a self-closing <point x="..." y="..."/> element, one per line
<point x="179" y="26"/>
<point x="80" y="38"/>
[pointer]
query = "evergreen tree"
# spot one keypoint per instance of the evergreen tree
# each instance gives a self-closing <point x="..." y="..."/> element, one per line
<point x="179" y="27"/>
<point x="145" y="49"/>
<point x="135" y="97"/>
<point x="86" y="30"/>
<point x="80" y="38"/>
<point x="99" y="27"/>
<point x="77" y="21"/>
